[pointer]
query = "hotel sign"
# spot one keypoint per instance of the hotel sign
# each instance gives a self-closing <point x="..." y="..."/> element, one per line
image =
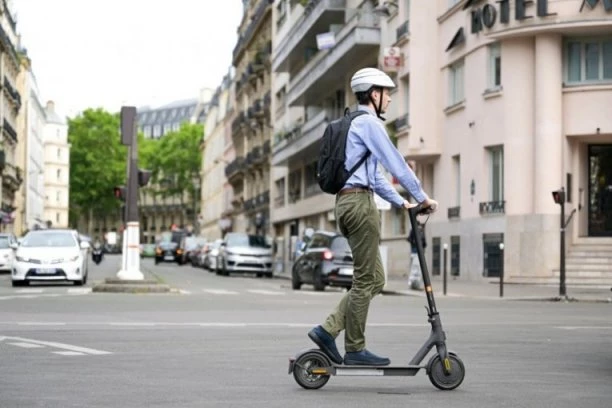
<point x="592" y="3"/>
<point x="488" y="15"/>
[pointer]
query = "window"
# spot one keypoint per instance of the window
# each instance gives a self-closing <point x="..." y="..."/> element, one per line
<point x="494" y="66"/>
<point x="455" y="80"/>
<point x="281" y="12"/>
<point x="58" y="196"/>
<point x="59" y="174"/>
<point x="496" y="175"/>
<point x="455" y="255"/>
<point x="147" y="131"/>
<point x="457" y="175"/>
<point x="157" y="131"/>
<point x="57" y="218"/>
<point x="59" y="153"/>
<point x="588" y="60"/>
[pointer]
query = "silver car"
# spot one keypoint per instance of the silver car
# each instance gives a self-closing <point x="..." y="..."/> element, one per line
<point x="241" y="252"/>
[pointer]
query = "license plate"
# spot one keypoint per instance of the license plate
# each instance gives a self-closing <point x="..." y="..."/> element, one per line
<point x="169" y="258"/>
<point x="346" y="271"/>
<point x="45" y="271"/>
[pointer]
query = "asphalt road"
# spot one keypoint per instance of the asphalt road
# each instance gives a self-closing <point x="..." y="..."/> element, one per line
<point x="226" y="341"/>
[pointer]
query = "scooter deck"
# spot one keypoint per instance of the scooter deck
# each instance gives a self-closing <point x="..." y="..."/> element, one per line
<point x="362" y="370"/>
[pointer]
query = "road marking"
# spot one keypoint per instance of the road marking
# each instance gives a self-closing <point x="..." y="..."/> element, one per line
<point x="67" y="347"/>
<point x="79" y="291"/>
<point x="220" y="292"/>
<point x="29" y="291"/>
<point x="26" y="345"/>
<point x="68" y="353"/>
<point x="41" y="323"/>
<point x="584" y="327"/>
<point x="267" y="292"/>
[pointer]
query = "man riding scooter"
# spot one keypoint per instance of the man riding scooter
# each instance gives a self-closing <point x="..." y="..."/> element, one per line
<point x="97" y="253"/>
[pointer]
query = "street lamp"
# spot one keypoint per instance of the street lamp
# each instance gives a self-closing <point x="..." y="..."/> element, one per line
<point x="196" y="180"/>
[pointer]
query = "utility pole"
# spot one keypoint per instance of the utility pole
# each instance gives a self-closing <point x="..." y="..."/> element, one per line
<point x="131" y="235"/>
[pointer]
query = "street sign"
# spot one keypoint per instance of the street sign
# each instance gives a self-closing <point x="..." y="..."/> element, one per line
<point x="392" y="59"/>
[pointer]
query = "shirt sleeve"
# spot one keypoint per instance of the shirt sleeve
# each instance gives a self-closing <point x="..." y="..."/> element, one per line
<point x="385" y="190"/>
<point x="377" y="141"/>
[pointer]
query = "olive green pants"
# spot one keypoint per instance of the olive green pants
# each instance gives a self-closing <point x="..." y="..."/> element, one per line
<point x="359" y="222"/>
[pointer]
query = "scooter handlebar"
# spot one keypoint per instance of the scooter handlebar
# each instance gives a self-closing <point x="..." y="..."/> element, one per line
<point x="421" y="209"/>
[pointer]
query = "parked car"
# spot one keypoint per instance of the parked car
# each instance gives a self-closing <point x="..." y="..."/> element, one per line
<point x="192" y="246"/>
<point x="51" y="255"/>
<point x="209" y="254"/>
<point x="326" y="261"/>
<point x="168" y="251"/>
<point x="241" y="252"/>
<point x="7" y="253"/>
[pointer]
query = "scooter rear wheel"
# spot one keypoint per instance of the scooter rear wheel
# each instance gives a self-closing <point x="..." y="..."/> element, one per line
<point x="435" y="371"/>
<point x="303" y="366"/>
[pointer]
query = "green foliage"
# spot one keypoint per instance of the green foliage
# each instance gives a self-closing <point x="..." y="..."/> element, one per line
<point x="175" y="158"/>
<point x="97" y="162"/>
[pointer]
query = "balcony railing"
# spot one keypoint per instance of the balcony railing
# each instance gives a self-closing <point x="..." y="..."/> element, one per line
<point x="493" y="207"/>
<point x="245" y="38"/>
<point x="454" y="212"/>
<point x="266" y="148"/>
<point x="9" y="130"/>
<point x="15" y="96"/>
<point x="401" y="123"/>
<point x="402" y="31"/>
<point x="234" y="167"/>
<point x="279" y="201"/>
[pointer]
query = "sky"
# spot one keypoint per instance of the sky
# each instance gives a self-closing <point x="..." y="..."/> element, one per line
<point x="111" y="53"/>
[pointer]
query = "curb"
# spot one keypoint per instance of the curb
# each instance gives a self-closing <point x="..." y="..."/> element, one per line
<point x="114" y="285"/>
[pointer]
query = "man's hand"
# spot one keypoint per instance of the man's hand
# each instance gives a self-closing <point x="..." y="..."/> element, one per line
<point x="408" y="205"/>
<point x="429" y="203"/>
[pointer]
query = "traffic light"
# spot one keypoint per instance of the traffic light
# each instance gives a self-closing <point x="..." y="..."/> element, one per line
<point x="120" y="193"/>
<point x="143" y="177"/>
<point x="559" y="196"/>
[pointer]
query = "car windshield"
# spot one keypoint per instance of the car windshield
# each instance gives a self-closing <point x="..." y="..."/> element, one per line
<point x="49" y="239"/>
<point x="4" y="242"/>
<point x="243" y="240"/>
<point x="340" y="244"/>
<point x="190" y="243"/>
<point x="167" y="245"/>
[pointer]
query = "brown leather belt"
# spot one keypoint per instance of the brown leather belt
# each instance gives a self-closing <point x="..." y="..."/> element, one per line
<point x="354" y="190"/>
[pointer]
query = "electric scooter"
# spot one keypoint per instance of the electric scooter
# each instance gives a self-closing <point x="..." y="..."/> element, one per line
<point x="312" y="368"/>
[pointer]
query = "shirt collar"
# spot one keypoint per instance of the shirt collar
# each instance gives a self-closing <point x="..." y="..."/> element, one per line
<point x="366" y="109"/>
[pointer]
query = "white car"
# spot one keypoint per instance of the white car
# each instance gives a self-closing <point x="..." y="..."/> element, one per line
<point x="50" y="255"/>
<point x="7" y="253"/>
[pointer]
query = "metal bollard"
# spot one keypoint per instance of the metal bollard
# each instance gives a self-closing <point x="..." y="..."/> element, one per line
<point x="501" y="271"/>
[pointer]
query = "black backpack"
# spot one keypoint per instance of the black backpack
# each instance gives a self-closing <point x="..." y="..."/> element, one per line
<point x="331" y="173"/>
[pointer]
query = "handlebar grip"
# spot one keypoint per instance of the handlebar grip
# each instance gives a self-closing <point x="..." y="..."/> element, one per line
<point x="420" y="209"/>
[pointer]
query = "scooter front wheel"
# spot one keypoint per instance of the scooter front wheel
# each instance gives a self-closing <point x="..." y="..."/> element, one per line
<point x="304" y="366"/>
<point x="438" y="377"/>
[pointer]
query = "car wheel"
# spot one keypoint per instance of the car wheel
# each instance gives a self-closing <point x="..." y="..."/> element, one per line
<point x="317" y="280"/>
<point x="295" y="280"/>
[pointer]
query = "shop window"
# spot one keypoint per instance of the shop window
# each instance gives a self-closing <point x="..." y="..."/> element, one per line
<point x="455" y="256"/>
<point x="496" y="173"/>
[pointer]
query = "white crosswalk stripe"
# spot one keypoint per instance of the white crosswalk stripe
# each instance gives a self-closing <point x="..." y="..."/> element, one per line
<point x="221" y="292"/>
<point x="267" y="292"/>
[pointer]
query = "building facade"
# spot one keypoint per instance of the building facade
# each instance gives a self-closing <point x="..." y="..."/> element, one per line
<point x="56" y="168"/>
<point x="30" y="202"/>
<point x="249" y="172"/>
<point x="311" y="88"/>
<point x="10" y="105"/>
<point x="217" y="193"/>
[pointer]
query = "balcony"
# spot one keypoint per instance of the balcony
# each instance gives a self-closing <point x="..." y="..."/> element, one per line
<point x="402" y="32"/>
<point x="303" y="141"/>
<point x="263" y="9"/>
<point x="11" y="177"/>
<point x="279" y="201"/>
<point x="400" y="124"/>
<point x="357" y="39"/>
<point x="266" y="148"/>
<point x="492" y="207"/>
<point x="454" y="212"/>
<point x="318" y="16"/>
<point x="8" y="46"/>
<point x="9" y="130"/>
<point x="13" y="94"/>
<point x="235" y="167"/>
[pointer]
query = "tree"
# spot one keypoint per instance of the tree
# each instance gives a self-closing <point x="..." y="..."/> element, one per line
<point x="97" y="164"/>
<point x="175" y="158"/>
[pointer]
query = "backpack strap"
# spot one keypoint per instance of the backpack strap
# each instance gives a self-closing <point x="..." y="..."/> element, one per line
<point x="353" y="115"/>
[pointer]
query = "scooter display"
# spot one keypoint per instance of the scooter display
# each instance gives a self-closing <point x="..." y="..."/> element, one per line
<point x="312" y="368"/>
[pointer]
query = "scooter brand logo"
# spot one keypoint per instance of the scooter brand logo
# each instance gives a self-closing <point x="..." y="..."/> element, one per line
<point x="592" y="3"/>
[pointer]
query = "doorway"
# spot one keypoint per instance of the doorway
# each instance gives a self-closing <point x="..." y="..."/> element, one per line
<point x="600" y="190"/>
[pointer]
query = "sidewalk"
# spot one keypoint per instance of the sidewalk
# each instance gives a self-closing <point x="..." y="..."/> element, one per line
<point x="489" y="289"/>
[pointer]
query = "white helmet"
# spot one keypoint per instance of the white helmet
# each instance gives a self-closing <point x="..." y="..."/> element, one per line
<point x="366" y="78"/>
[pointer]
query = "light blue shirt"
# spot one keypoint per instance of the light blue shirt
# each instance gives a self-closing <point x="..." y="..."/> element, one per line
<point x="367" y="133"/>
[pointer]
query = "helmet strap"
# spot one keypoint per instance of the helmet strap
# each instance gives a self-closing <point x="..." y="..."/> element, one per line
<point x="378" y="108"/>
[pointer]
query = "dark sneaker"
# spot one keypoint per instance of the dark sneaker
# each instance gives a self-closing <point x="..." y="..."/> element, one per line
<point x="364" y="357"/>
<point x="326" y="343"/>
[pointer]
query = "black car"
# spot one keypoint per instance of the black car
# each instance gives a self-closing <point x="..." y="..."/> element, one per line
<point x="168" y="251"/>
<point x="326" y="261"/>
